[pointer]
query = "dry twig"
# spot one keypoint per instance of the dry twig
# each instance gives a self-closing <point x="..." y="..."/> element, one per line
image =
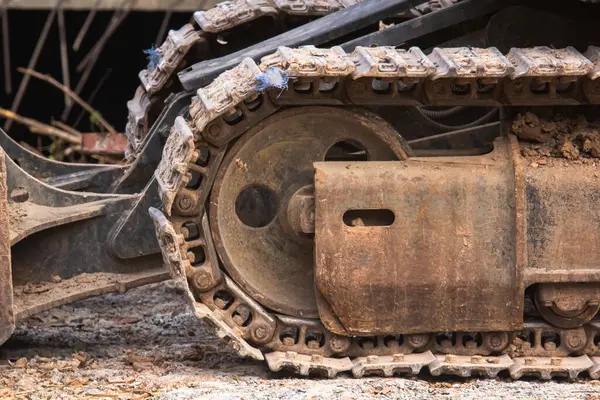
<point x="64" y="54"/>
<point x="86" y="25"/>
<point x="165" y="23"/>
<point x="92" y="97"/>
<point x="66" y="128"/>
<point x="71" y="94"/>
<point x="89" y="60"/>
<point x="39" y="127"/>
<point x="33" y="61"/>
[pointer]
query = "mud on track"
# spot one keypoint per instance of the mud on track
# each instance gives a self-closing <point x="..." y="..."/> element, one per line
<point x="146" y="344"/>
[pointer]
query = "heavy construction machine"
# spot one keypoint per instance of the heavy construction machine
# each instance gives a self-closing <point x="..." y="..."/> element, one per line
<point x="367" y="193"/>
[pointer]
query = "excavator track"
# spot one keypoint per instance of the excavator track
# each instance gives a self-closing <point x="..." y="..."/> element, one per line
<point x="240" y="98"/>
<point x="159" y="79"/>
<point x="174" y="54"/>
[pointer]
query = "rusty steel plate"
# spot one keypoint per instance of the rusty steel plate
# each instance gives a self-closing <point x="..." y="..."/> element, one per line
<point x="261" y="173"/>
<point x="424" y="245"/>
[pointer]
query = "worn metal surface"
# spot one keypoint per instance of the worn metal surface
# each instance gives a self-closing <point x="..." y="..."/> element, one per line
<point x="567" y="305"/>
<point x="171" y="52"/>
<point x="316" y="32"/>
<point x="408" y="237"/>
<point x="274" y="159"/>
<point x="308" y="365"/>
<point x="562" y="204"/>
<point x="141" y="5"/>
<point x="466" y="366"/>
<point x="308" y="336"/>
<point x="32" y="298"/>
<point x="70" y="176"/>
<point x="452" y="245"/>
<point x="245" y="22"/>
<point x="547" y="368"/>
<point x="7" y="318"/>
<point x="396" y="364"/>
<point x="105" y="143"/>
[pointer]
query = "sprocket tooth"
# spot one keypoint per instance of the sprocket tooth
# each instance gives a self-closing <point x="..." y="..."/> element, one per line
<point x="134" y="130"/>
<point x="546" y="62"/>
<point x="549" y="367"/>
<point x="309" y="61"/>
<point x="170" y="244"/>
<point x="304" y="364"/>
<point x="226" y="333"/>
<point x="171" y="53"/>
<point x="229" y="14"/>
<point x="466" y="366"/>
<point x="177" y="154"/>
<point x="470" y="62"/>
<point x="389" y="62"/>
<point x="391" y="365"/>
<point x="224" y="93"/>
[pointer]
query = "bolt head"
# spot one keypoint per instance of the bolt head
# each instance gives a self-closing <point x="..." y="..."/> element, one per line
<point x="497" y="341"/>
<point x="556" y="361"/>
<point x="575" y="341"/>
<point x="203" y="280"/>
<point x="185" y="203"/>
<point x="262" y="333"/>
<point x="214" y="131"/>
<point x="418" y="340"/>
<point x="339" y="344"/>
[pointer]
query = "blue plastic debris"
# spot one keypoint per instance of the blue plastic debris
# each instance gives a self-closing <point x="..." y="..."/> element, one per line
<point x="154" y="55"/>
<point x="272" y="78"/>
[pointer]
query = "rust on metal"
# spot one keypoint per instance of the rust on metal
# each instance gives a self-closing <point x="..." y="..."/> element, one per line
<point x="406" y="237"/>
<point x="244" y="202"/>
<point x="104" y="143"/>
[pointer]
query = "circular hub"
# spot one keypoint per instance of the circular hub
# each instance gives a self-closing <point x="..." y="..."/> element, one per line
<point x="262" y="250"/>
<point x="567" y="305"/>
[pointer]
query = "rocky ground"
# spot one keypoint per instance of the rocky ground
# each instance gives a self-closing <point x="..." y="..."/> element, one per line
<point x="146" y="344"/>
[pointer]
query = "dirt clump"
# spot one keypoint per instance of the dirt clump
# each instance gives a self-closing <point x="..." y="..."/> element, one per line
<point x="570" y="138"/>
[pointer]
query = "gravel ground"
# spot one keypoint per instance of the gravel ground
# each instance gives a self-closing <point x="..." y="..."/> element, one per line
<point x="146" y="344"/>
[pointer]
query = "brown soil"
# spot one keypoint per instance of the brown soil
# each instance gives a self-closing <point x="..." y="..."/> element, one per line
<point x="570" y="138"/>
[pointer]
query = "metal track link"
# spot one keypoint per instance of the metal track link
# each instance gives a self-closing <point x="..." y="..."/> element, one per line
<point x="466" y="366"/>
<point x="396" y="364"/>
<point x="329" y="76"/>
<point x="171" y="54"/>
<point x="306" y="365"/>
<point x="547" y="368"/>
